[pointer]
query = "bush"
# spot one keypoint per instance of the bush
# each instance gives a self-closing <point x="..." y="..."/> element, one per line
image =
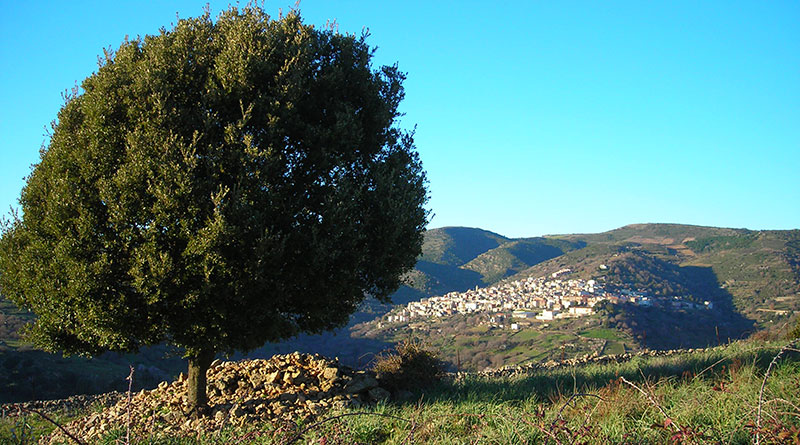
<point x="794" y="332"/>
<point x="412" y="365"/>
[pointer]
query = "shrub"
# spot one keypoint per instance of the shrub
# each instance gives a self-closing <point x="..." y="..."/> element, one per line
<point x="794" y="332"/>
<point x="411" y="365"/>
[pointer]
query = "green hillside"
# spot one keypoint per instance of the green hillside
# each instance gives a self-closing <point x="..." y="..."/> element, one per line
<point x="459" y="258"/>
<point x="758" y="270"/>
<point x="518" y="255"/>
<point x="750" y="278"/>
<point x="436" y="279"/>
<point x="666" y="234"/>
<point x="717" y="395"/>
<point x="454" y="246"/>
<point x="761" y="270"/>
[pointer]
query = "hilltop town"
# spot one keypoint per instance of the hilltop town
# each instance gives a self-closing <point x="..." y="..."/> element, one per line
<point x="540" y="298"/>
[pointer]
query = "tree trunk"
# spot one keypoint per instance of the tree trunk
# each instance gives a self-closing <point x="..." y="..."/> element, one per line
<point x="198" y="365"/>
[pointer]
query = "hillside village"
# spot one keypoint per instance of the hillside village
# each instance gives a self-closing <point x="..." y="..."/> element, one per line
<point x="535" y="298"/>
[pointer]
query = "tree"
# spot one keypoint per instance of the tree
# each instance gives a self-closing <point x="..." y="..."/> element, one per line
<point x="217" y="186"/>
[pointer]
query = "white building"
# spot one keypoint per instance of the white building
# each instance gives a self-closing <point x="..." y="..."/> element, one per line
<point x="547" y="315"/>
<point x="579" y="310"/>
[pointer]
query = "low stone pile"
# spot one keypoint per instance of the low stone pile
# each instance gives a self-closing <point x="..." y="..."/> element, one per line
<point x="508" y="371"/>
<point x="72" y="404"/>
<point x="284" y="387"/>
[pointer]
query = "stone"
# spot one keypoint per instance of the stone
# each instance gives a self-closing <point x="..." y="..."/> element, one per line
<point x="360" y="383"/>
<point x="257" y="380"/>
<point x="330" y="373"/>
<point x="379" y="394"/>
<point x="288" y="397"/>
<point x="273" y="377"/>
<point x="289" y="387"/>
<point x="220" y="416"/>
<point x="404" y="395"/>
<point x="237" y="411"/>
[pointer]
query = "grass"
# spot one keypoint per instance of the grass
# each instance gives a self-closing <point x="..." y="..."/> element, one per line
<point x="717" y="405"/>
<point x="27" y="428"/>
<point x="704" y="397"/>
<point x="603" y="333"/>
<point x="526" y="334"/>
<point x="474" y="348"/>
<point x="614" y="347"/>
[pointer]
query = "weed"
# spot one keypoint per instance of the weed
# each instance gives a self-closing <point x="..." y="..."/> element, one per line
<point x="411" y="366"/>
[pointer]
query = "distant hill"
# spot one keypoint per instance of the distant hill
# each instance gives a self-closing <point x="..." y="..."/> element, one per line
<point x="752" y="279"/>
<point x="454" y="246"/>
<point x="459" y="258"/>
<point x="517" y="255"/>
<point x="664" y="234"/>
<point x="434" y="279"/>
<point x="760" y="270"/>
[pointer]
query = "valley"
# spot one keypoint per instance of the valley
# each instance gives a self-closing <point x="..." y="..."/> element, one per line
<point x="657" y="286"/>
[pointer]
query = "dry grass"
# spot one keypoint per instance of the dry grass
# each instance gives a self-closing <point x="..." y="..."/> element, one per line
<point x="411" y="366"/>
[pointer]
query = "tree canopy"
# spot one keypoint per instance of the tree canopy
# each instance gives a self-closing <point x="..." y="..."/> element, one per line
<point x="220" y="185"/>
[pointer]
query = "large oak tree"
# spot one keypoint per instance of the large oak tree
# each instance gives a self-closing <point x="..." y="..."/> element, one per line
<point x="220" y="185"/>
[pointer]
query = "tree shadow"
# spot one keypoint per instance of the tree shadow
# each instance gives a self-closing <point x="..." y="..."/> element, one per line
<point x="445" y="278"/>
<point x="549" y="385"/>
<point x="688" y="322"/>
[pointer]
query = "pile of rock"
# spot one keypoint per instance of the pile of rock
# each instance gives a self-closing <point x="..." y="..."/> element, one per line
<point x="68" y="406"/>
<point x="528" y="368"/>
<point x="284" y="387"/>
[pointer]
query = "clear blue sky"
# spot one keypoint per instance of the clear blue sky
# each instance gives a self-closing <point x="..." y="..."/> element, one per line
<point x="532" y="117"/>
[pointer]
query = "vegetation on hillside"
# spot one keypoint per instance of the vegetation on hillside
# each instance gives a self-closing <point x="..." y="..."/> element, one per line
<point x="469" y="343"/>
<point x="690" y="264"/>
<point x="760" y="270"/>
<point x="738" y="394"/>
<point x="455" y="246"/>
<point x="516" y="256"/>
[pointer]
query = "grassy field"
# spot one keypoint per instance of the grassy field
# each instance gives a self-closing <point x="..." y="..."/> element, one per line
<point x="705" y="397"/>
<point x="471" y="346"/>
<point x="604" y="333"/>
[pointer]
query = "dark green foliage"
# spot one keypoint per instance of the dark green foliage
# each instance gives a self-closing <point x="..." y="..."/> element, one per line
<point x="411" y="365"/>
<point x="641" y="270"/>
<point x="217" y="186"/>
<point x="36" y="375"/>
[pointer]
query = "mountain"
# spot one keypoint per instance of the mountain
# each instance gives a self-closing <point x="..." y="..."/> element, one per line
<point x="517" y="255"/>
<point x="454" y="246"/>
<point x="759" y="270"/>
<point x="665" y="234"/>
<point x="750" y="278"/>
<point x="460" y="258"/>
